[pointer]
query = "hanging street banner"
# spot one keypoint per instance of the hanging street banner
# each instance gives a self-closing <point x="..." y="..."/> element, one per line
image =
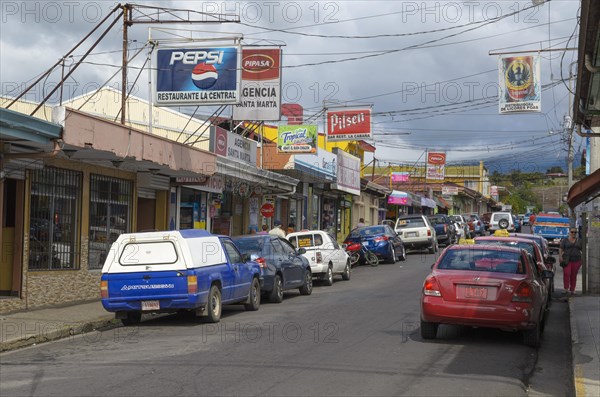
<point x="348" y="172"/>
<point x="436" y="166"/>
<point x="520" y="86"/>
<point x="297" y="139"/>
<point x="197" y="76"/>
<point x="348" y="124"/>
<point x="261" y="85"/>
<point x="400" y="176"/>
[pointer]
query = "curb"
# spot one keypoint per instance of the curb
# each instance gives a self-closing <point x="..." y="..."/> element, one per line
<point x="56" y="331"/>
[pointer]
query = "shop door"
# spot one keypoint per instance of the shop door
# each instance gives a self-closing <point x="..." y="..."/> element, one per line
<point x="146" y="214"/>
<point x="8" y="210"/>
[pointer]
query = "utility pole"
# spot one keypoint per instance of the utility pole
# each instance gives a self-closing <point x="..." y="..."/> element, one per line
<point x="126" y="11"/>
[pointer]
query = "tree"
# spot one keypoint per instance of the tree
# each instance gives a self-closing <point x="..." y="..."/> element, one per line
<point x="555" y="170"/>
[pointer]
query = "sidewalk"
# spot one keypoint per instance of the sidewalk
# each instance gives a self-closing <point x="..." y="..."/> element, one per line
<point x="36" y="326"/>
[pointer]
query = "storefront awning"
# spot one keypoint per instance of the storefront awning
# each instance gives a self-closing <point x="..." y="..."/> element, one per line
<point x="441" y="202"/>
<point x="272" y="182"/>
<point x="399" y="198"/>
<point x="585" y="190"/>
<point x="427" y="202"/>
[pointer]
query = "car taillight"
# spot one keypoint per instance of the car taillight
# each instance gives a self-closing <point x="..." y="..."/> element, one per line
<point x="262" y="262"/>
<point x="319" y="257"/>
<point x="524" y="293"/>
<point x="380" y="239"/>
<point x="192" y="284"/>
<point x="428" y="232"/>
<point x="431" y="287"/>
<point x="104" y="289"/>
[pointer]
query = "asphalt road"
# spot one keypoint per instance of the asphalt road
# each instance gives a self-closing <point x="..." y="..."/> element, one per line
<point x="357" y="338"/>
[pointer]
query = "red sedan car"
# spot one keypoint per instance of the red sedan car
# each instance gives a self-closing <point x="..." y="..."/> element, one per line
<point x="485" y="286"/>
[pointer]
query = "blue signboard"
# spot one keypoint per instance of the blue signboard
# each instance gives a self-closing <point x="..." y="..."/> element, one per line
<point x="197" y="76"/>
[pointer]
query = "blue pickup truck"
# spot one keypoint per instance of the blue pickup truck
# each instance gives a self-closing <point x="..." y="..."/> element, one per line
<point x="552" y="227"/>
<point x="173" y="271"/>
<point x="444" y="229"/>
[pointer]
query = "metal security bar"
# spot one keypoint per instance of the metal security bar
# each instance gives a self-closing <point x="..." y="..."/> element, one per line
<point x="110" y="215"/>
<point x="54" y="215"/>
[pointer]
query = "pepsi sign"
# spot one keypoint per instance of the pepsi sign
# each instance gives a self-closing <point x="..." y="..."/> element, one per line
<point x="197" y="76"/>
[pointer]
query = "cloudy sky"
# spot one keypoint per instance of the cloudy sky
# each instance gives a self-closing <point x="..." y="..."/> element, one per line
<point x="423" y="66"/>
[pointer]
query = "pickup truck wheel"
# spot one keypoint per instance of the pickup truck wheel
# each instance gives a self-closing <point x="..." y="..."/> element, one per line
<point x="346" y="274"/>
<point x="132" y="318"/>
<point x="432" y="248"/>
<point x="329" y="277"/>
<point x="214" y="305"/>
<point x="306" y="288"/>
<point x="254" y="296"/>
<point x="276" y="295"/>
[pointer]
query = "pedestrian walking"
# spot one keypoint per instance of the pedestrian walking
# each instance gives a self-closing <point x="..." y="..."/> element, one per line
<point x="579" y="225"/>
<point x="531" y="222"/>
<point x="569" y="254"/>
<point x="277" y="230"/>
<point x="361" y="223"/>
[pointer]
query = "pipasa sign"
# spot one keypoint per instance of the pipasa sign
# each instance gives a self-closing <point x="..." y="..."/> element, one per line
<point x="348" y="124"/>
<point x="297" y="139"/>
<point x="197" y="76"/>
<point x="436" y="165"/>
<point x="261" y="85"/>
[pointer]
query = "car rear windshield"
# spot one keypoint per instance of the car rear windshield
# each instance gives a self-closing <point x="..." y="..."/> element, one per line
<point x="410" y="222"/>
<point x="250" y="245"/>
<point x="483" y="260"/>
<point x="507" y="243"/>
<point x="437" y="220"/>
<point x="497" y="217"/>
<point x="151" y="253"/>
<point x="306" y="240"/>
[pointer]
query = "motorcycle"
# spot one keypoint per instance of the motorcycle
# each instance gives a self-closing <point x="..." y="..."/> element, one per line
<point x="356" y="251"/>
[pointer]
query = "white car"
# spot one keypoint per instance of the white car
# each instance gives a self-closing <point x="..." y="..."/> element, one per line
<point x="326" y="257"/>
<point x="463" y="226"/>
<point x="417" y="232"/>
<point x="501" y="220"/>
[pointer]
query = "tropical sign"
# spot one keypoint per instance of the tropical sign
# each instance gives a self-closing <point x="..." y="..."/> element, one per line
<point x="297" y="139"/>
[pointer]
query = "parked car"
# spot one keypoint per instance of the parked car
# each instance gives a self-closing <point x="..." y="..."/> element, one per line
<point x="444" y="229"/>
<point x="417" y="232"/>
<point x="542" y="242"/>
<point x="532" y="247"/>
<point x="380" y="240"/>
<point x="485" y="286"/>
<point x="282" y="267"/>
<point x="501" y="220"/>
<point x="485" y="218"/>
<point x="172" y="271"/>
<point x="325" y="256"/>
<point x="463" y="227"/>
<point x="478" y="226"/>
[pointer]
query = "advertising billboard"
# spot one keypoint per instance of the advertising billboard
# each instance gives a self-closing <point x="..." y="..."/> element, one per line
<point x="520" y="86"/>
<point x="197" y="76"/>
<point x="297" y="139"/>
<point x="348" y="172"/>
<point x="233" y="146"/>
<point x="436" y="165"/>
<point x="348" y="124"/>
<point x="260" y="98"/>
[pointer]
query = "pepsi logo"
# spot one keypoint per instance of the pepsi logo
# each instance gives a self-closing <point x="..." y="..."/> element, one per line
<point x="204" y="76"/>
<point x="257" y="63"/>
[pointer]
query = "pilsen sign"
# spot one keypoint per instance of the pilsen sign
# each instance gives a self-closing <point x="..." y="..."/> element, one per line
<point x="348" y="124"/>
<point x="233" y="146"/>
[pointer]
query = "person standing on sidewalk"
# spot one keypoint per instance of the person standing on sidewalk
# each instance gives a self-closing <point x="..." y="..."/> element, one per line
<point x="569" y="254"/>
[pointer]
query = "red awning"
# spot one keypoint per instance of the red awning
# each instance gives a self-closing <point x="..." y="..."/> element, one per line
<point x="585" y="190"/>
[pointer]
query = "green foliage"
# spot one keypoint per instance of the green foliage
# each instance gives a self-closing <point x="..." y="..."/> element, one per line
<point x="555" y="170"/>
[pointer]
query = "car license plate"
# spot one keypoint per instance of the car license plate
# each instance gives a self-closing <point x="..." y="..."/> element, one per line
<point x="150" y="305"/>
<point x="476" y="292"/>
<point x="412" y="234"/>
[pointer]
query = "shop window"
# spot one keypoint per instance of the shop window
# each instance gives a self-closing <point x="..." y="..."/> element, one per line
<point x="53" y="219"/>
<point x="110" y="215"/>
